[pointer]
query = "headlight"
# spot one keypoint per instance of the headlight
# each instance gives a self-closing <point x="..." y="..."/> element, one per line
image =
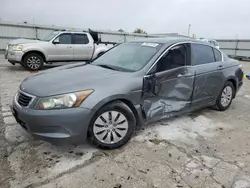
<point x="17" y="48"/>
<point x="69" y="100"/>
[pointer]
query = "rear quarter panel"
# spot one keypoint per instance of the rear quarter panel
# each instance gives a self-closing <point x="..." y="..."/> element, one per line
<point x="232" y="71"/>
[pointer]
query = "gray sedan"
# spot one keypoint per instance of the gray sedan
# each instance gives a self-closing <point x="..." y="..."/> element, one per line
<point x="132" y="84"/>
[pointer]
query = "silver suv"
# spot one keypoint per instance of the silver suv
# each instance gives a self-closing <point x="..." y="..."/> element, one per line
<point x="57" y="47"/>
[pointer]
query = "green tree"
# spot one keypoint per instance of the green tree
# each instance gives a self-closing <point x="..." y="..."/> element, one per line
<point x="138" y="30"/>
<point x="121" y="30"/>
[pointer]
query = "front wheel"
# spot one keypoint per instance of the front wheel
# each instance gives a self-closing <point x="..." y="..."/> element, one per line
<point x="225" y="98"/>
<point x="112" y="126"/>
<point x="33" y="62"/>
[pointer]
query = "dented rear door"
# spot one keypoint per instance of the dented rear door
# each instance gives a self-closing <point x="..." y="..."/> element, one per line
<point x="209" y="77"/>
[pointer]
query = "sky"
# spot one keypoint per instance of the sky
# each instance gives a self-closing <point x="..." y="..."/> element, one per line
<point x="208" y="18"/>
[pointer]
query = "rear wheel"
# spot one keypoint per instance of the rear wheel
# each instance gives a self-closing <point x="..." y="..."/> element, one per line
<point x="225" y="98"/>
<point x="112" y="126"/>
<point x="33" y="62"/>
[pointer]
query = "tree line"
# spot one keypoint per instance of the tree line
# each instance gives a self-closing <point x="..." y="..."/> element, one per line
<point x="137" y="30"/>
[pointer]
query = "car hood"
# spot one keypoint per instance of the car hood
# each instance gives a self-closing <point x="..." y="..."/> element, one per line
<point x="23" y="41"/>
<point x="69" y="78"/>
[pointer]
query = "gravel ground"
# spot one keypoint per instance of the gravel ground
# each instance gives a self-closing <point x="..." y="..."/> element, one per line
<point x="207" y="149"/>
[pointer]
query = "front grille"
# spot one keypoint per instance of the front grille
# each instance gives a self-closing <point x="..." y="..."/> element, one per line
<point x="23" y="99"/>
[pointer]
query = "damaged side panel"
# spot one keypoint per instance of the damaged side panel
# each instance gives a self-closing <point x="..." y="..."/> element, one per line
<point x="167" y="92"/>
<point x="208" y="84"/>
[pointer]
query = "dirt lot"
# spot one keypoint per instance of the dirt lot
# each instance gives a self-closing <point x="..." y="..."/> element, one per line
<point x="206" y="149"/>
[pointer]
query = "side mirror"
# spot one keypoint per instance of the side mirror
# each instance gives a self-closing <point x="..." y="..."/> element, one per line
<point x="56" y="41"/>
<point x="149" y="83"/>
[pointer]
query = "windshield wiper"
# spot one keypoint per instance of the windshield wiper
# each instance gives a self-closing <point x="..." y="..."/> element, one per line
<point x="107" y="67"/>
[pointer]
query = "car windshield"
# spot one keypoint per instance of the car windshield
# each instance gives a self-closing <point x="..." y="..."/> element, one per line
<point x="129" y="57"/>
<point x="50" y="36"/>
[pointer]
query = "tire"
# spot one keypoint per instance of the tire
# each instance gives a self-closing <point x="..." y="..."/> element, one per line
<point x="23" y="65"/>
<point x="225" y="98"/>
<point x="33" y="62"/>
<point x="114" y="133"/>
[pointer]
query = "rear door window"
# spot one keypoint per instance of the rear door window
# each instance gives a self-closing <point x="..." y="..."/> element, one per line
<point x="80" y="39"/>
<point x="202" y="54"/>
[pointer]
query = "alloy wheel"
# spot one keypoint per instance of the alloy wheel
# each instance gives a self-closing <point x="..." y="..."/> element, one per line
<point x="110" y="127"/>
<point x="33" y="62"/>
<point x="226" y="96"/>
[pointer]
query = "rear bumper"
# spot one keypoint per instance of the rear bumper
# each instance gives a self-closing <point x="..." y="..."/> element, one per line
<point x="239" y="85"/>
<point x="240" y="75"/>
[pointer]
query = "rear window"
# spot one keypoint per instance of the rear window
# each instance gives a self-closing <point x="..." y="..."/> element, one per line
<point x="202" y="54"/>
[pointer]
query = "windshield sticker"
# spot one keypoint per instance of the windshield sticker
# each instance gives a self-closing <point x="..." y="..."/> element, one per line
<point x="150" y="44"/>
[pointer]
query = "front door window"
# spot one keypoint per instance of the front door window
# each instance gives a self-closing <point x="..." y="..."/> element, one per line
<point x="176" y="57"/>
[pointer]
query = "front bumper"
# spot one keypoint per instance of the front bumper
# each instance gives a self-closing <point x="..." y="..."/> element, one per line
<point x="14" y="56"/>
<point x="70" y="125"/>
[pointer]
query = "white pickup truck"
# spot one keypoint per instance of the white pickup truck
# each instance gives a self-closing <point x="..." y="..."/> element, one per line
<point x="59" y="46"/>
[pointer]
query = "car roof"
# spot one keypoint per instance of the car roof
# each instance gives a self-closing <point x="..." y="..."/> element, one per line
<point x="168" y="40"/>
<point x="69" y="31"/>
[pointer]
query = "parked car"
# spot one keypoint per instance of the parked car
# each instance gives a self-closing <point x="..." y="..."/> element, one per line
<point x="131" y="84"/>
<point x="212" y="42"/>
<point x="57" y="47"/>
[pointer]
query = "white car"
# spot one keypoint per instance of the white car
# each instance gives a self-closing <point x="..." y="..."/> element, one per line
<point x="211" y="41"/>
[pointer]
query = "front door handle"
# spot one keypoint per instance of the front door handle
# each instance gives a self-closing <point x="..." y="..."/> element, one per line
<point x="180" y="75"/>
<point x="183" y="75"/>
<point x="220" y="67"/>
<point x="69" y="46"/>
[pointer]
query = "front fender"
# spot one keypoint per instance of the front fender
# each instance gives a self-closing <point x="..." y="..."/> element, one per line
<point x="35" y="49"/>
<point x="136" y="108"/>
<point x="109" y="99"/>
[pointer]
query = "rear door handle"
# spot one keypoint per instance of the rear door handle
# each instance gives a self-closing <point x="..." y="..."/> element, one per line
<point x="69" y="46"/>
<point x="220" y="67"/>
